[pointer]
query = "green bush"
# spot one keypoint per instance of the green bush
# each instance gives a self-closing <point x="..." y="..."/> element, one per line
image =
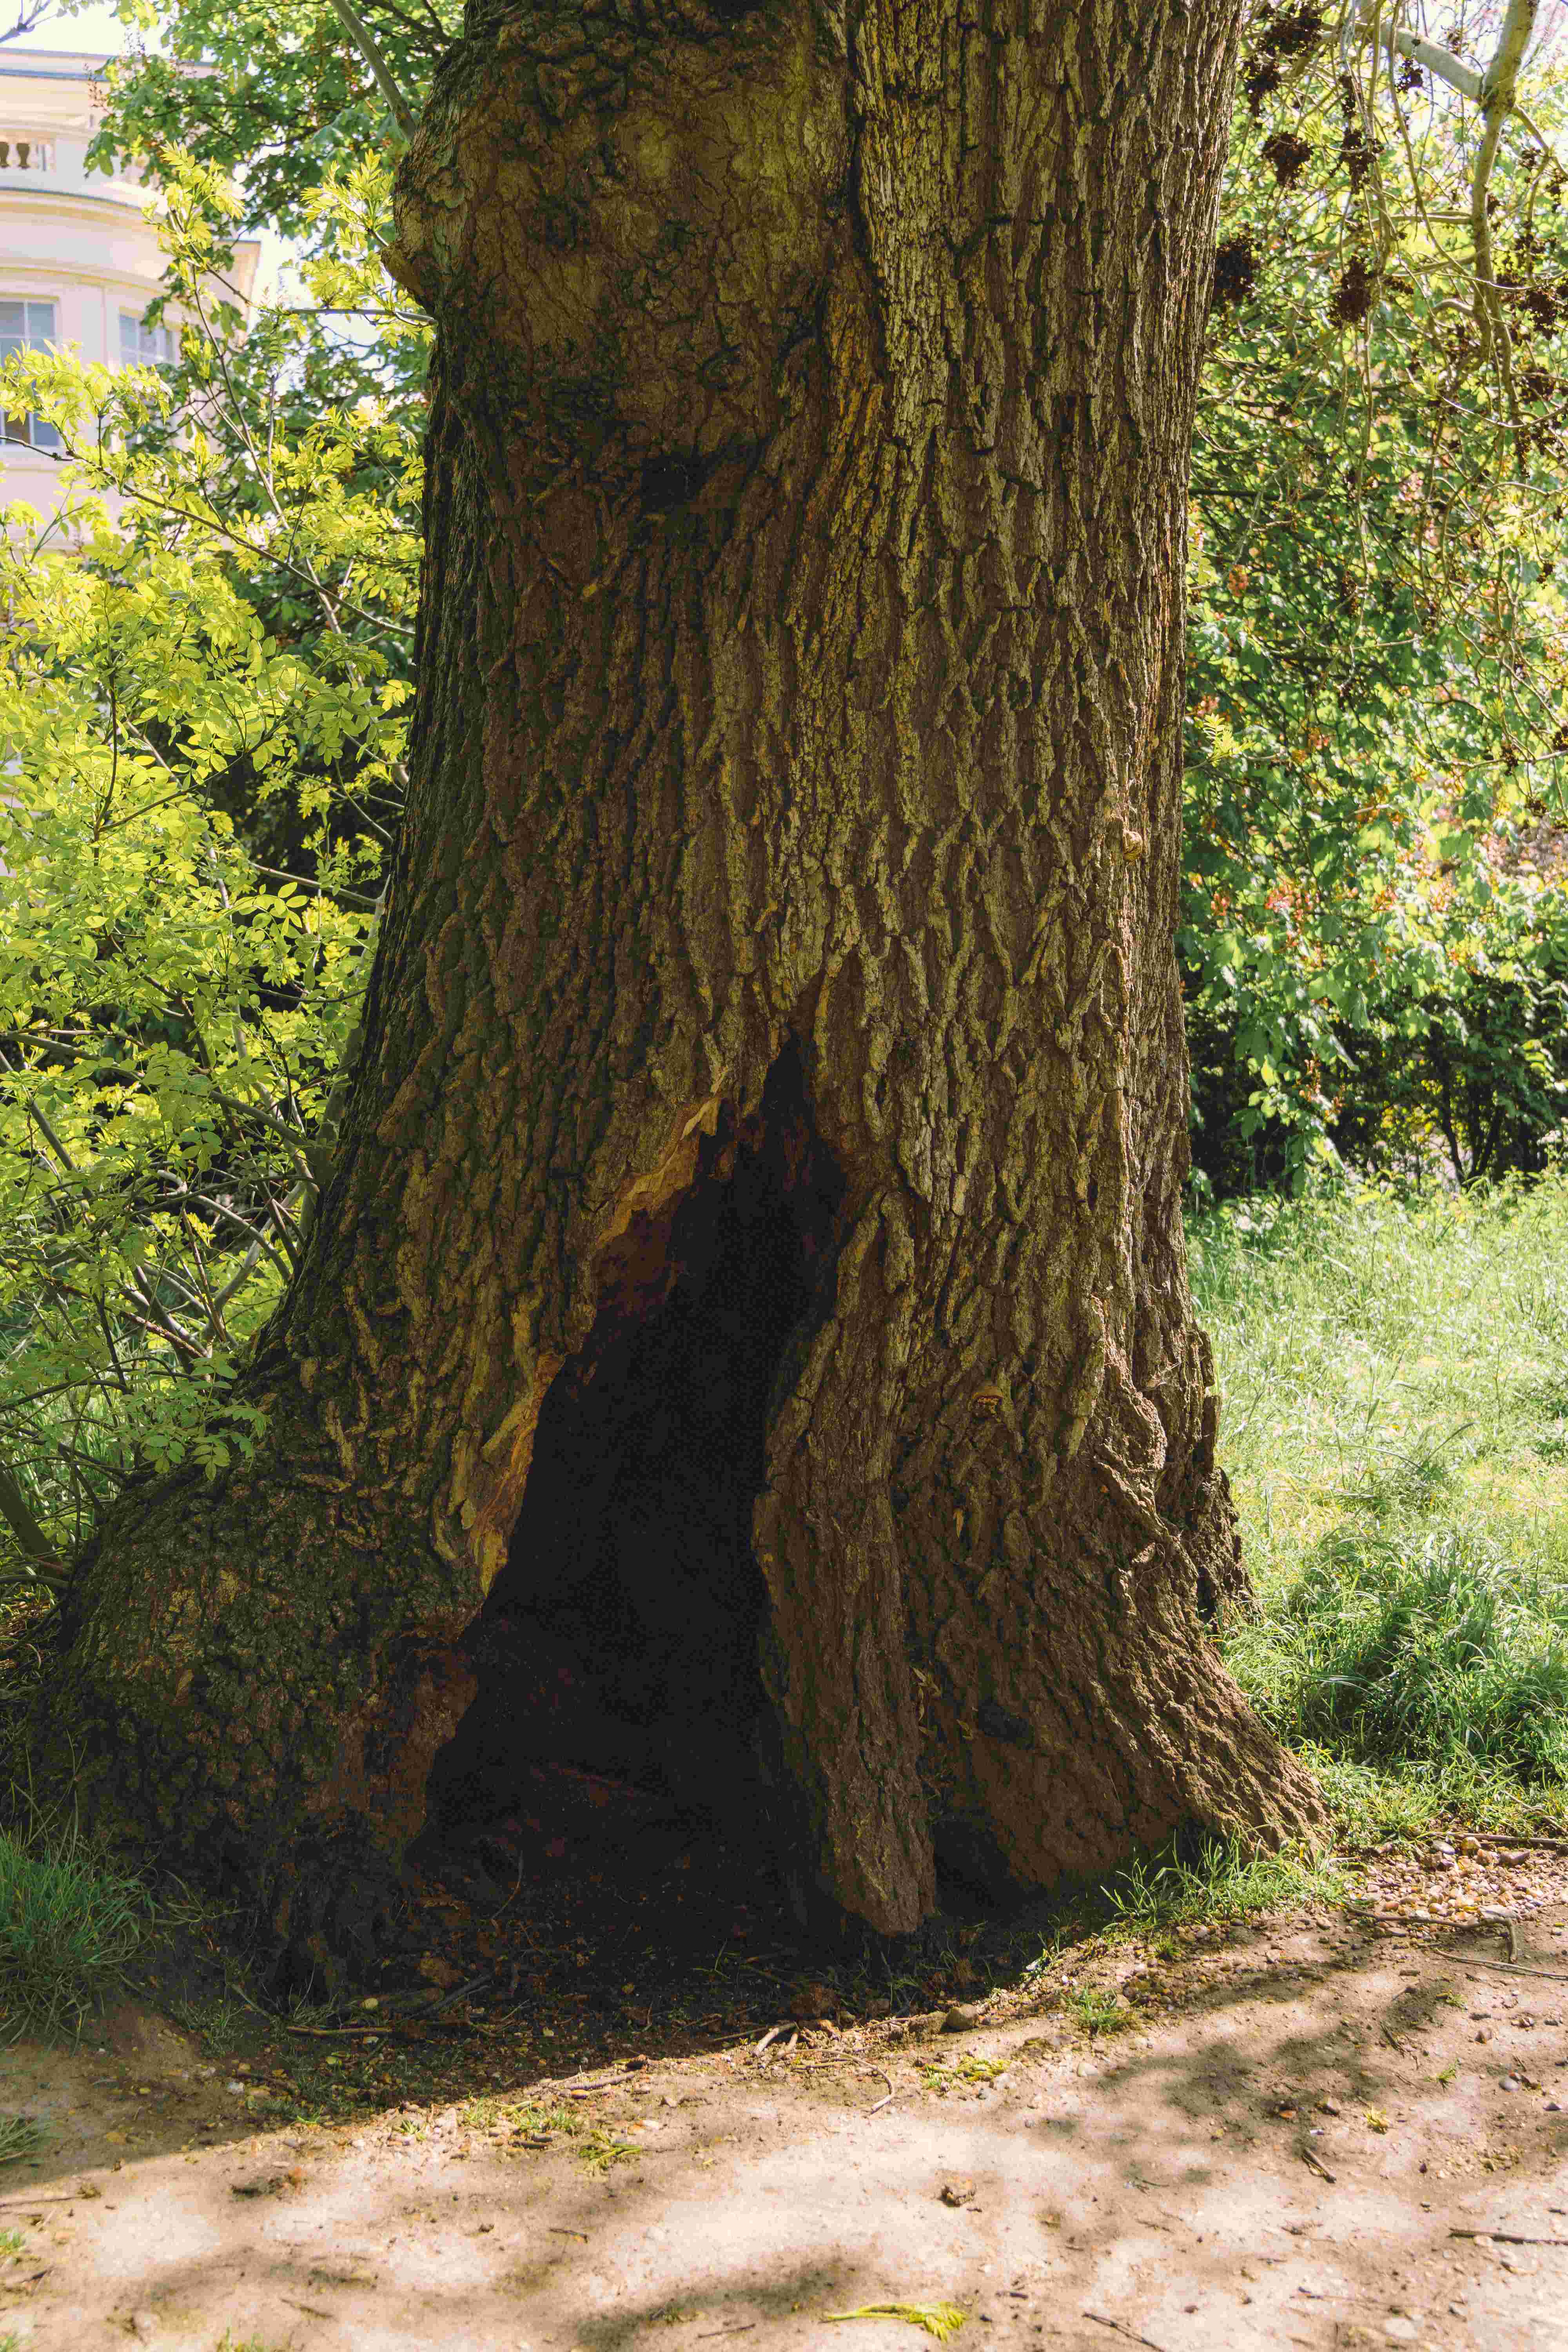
<point x="1452" y="1053"/>
<point x="68" y="1927"/>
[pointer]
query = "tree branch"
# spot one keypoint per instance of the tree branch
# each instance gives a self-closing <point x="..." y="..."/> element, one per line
<point x="364" y="41"/>
<point x="1501" y="80"/>
<point x="31" y="1541"/>
<point x="1443" y="63"/>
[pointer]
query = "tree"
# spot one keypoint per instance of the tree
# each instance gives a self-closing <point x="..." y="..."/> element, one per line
<point x="754" y="1250"/>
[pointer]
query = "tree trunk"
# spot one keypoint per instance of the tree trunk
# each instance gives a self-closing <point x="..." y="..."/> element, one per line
<point x="755" y="1258"/>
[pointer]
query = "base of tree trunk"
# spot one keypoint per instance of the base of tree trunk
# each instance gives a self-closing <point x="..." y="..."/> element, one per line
<point x="900" y="1729"/>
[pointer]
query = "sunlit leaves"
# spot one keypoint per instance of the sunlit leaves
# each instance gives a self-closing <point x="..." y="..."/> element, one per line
<point x="173" y="1007"/>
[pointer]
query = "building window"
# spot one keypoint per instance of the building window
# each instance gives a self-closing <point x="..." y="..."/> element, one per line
<point x="144" y="346"/>
<point x="27" y="326"/>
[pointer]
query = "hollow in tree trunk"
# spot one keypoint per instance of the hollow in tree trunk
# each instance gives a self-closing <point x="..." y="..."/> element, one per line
<point x="754" y="1262"/>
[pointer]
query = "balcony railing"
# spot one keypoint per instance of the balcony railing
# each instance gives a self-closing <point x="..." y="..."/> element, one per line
<point x="21" y="151"/>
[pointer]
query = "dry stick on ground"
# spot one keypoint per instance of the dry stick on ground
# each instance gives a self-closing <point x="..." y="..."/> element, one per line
<point x="1513" y="1968"/>
<point x="1508" y="2238"/>
<point x="1122" y="2328"/>
<point x="882" y="2103"/>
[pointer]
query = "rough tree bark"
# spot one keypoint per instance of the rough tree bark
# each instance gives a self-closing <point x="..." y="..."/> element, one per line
<point x="771" y="1127"/>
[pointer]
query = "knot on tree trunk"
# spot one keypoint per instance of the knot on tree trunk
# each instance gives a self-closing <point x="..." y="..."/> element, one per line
<point x="634" y="221"/>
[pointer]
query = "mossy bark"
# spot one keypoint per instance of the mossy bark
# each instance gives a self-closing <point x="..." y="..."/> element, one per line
<point x="800" y="689"/>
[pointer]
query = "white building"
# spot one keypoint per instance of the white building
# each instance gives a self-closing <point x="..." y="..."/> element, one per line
<point x="79" y="258"/>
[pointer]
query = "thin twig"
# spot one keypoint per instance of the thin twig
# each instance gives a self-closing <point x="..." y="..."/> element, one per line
<point x="1513" y="1968"/>
<point x="1122" y="2328"/>
<point x="331" y="2032"/>
<point x="882" y="2103"/>
<point x="1508" y="2237"/>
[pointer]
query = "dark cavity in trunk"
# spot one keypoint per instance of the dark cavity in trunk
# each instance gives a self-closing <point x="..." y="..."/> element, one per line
<point x="618" y="1652"/>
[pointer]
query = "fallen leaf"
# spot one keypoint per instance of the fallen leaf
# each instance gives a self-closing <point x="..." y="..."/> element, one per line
<point x="440" y="1972"/>
<point x="938" y="2319"/>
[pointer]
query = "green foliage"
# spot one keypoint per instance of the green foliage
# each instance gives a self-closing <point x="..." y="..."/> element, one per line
<point x="68" y="1927"/>
<point x="1396" y="1423"/>
<point x="1376" y="680"/>
<point x="174" y="1008"/>
<point x="289" y="102"/>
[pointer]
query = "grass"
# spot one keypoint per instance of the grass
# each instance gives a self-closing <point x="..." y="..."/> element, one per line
<point x="67" y="1928"/>
<point x="1175" y="1889"/>
<point x="1096" y="2012"/>
<point x="20" y="2137"/>
<point x="531" y="2121"/>
<point x="1395" y="1424"/>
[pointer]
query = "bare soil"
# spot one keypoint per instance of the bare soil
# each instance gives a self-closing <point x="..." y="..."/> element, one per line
<point x="1323" y="2129"/>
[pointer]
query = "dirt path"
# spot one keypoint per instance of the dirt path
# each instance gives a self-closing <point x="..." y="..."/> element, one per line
<point x="1317" y="2134"/>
